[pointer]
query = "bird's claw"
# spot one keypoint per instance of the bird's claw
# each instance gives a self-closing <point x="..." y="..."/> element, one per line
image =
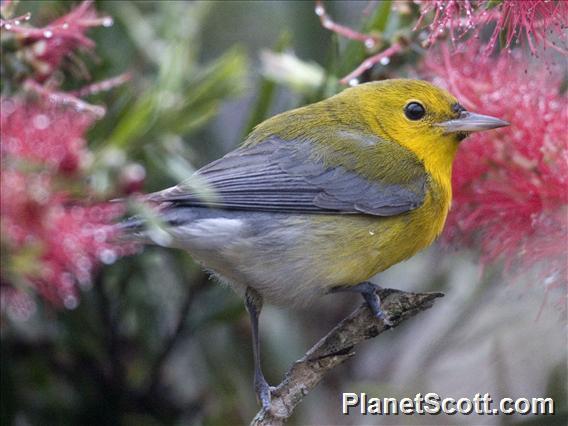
<point x="374" y="303"/>
<point x="386" y="319"/>
<point x="262" y="389"/>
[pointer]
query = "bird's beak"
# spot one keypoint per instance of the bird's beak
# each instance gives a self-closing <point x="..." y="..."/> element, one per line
<point x="472" y="122"/>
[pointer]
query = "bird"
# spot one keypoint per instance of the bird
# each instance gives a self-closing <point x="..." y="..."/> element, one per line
<point x="322" y="198"/>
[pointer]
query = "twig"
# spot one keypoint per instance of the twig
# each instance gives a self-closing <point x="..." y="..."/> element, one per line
<point x="369" y="40"/>
<point x="64" y="99"/>
<point x="102" y="86"/>
<point x="371" y="61"/>
<point x="335" y="348"/>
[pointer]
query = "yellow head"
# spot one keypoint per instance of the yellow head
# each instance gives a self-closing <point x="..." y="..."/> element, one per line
<point x="419" y="116"/>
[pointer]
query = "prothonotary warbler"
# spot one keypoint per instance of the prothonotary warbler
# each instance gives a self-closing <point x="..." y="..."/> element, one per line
<point x="322" y="198"/>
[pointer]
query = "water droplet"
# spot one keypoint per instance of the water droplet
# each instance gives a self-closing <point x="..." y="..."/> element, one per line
<point x="8" y="26"/>
<point x="84" y="264"/>
<point x="17" y="22"/>
<point x="27" y="16"/>
<point x="108" y="256"/>
<point x="385" y="61"/>
<point x="65" y="25"/>
<point x="134" y="172"/>
<point x="48" y="33"/>
<point x="100" y="235"/>
<point x="319" y="10"/>
<point x="70" y="302"/>
<point x="371" y="232"/>
<point x="107" y="21"/>
<point x="353" y="82"/>
<point x="41" y="121"/>
<point x="370" y="43"/>
<point x="40" y="47"/>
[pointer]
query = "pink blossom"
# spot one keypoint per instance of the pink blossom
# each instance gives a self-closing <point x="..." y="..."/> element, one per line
<point x="47" y="47"/>
<point x="534" y="21"/>
<point x="48" y="136"/>
<point x="43" y="148"/>
<point x="510" y="185"/>
<point x="530" y="20"/>
<point x="456" y="15"/>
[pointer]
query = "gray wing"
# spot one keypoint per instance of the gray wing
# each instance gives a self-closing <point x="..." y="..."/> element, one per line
<point x="278" y="176"/>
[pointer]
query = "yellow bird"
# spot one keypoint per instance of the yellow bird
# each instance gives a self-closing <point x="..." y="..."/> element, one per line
<point x="322" y="198"/>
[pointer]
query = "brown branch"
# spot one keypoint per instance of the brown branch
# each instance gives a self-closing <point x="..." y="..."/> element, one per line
<point x="335" y="348"/>
<point x="370" y="62"/>
<point x="369" y="40"/>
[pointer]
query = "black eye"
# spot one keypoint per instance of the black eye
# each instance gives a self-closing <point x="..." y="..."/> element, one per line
<point x="414" y="111"/>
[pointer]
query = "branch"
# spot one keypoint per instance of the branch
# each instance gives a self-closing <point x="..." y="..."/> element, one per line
<point x="370" y="62"/>
<point x="335" y="348"/>
<point x="369" y="40"/>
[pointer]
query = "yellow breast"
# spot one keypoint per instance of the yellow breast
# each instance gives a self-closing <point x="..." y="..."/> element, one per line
<point x="352" y="249"/>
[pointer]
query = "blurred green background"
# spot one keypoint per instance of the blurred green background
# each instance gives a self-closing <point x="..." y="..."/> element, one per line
<point x="155" y="341"/>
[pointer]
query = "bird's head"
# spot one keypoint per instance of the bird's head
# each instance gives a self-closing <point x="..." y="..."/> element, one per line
<point x="420" y="116"/>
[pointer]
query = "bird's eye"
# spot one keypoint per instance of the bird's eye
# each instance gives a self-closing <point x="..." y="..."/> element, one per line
<point x="414" y="111"/>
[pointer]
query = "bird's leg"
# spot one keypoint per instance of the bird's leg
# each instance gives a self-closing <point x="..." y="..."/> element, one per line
<point x="253" y="303"/>
<point x="369" y="292"/>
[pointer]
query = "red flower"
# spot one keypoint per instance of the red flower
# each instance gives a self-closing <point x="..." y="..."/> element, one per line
<point x="48" y="46"/>
<point x="53" y="244"/>
<point x="48" y="136"/>
<point x="528" y="20"/>
<point x="536" y="21"/>
<point x="456" y="15"/>
<point x="510" y="185"/>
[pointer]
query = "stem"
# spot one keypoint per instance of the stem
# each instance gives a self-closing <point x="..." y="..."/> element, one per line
<point x="337" y="347"/>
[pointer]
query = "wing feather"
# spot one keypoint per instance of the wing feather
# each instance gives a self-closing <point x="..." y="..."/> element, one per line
<point x="279" y="176"/>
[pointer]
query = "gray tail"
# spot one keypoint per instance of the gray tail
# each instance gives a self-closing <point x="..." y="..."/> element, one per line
<point x="132" y="224"/>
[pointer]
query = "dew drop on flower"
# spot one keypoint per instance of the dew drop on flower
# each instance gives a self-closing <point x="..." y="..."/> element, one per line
<point x="108" y="256"/>
<point x="84" y="264"/>
<point x="40" y="47"/>
<point x="369" y="43"/>
<point x="18" y="305"/>
<point x="8" y="26"/>
<point x="100" y="235"/>
<point x="65" y="25"/>
<point x="107" y="21"/>
<point x="353" y="82"/>
<point x="41" y="121"/>
<point x="70" y="302"/>
<point x="385" y="61"/>
<point x="48" y="33"/>
<point x="319" y="10"/>
<point x="8" y="107"/>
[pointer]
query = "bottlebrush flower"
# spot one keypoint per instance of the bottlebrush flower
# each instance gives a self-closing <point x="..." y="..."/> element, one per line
<point x="45" y="136"/>
<point x="51" y="243"/>
<point x="456" y="15"/>
<point x="536" y="21"/>
<point x="510" y="185"/>
<point x="47" y="47"/>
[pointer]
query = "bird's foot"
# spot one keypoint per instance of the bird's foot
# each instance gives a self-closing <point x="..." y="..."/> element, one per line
<point x="369" y="292"/>
<point x="262" y="389"/>
<point x="374" y="303"/>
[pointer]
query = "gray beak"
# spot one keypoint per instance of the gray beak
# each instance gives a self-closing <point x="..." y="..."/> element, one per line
<point x="472" y="122"/>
